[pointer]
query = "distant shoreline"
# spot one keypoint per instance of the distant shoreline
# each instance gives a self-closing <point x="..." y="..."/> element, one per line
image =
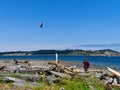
<point x="104" y="52"/>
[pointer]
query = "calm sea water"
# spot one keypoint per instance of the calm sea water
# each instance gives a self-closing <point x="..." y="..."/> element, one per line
<point x="98" y="60"/>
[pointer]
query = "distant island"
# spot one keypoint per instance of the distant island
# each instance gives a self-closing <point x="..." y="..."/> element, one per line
<point x="104" y="52"/>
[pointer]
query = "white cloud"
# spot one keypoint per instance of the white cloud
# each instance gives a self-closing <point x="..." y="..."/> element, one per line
<point x="29" y="47"/>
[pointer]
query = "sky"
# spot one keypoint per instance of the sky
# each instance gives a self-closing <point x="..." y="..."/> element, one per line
<point x="67" y="24"/>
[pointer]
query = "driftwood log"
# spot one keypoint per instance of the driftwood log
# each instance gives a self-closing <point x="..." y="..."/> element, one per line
<point x="114" y="79"/>
<point x="117" y="85"/>
<point x="60" y="74"/>
<point x="2" y="67"/>
<point x="64" y="68"/>
<point x="113" y="71"/>
<point x="33" y="70"/>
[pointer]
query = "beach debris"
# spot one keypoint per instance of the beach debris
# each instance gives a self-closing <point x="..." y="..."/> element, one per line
<point x="11" y="67"/>
<point x="117" y="85"/>
<point x="20" y="61"/>
<point x="11" y="79"/>
<point x="108" y="87"/>
<point x="2" y="67"/>
<point x="20" y="82"/>
<point x="115" y="76"/>
<point x="111" y="79"/>
<point x="32" y="78"/>
<point x="113" y="71"/>
<point x="60" y="74"/>
<point x="28" y="74"/>
<point x="49" y="79"/>
<point x="101" y="76"/>
<point x="64" y="68"/>
<point x="35" y="70"/>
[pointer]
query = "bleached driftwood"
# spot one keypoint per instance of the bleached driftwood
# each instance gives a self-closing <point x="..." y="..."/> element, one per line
<point x="114" y="79"/>
<point x="11" y="79"/>
<point x="65" y="68"/>
<point x="60" y="74"/>
<point x="61" y="64"/>
<point x="33" y="70"/>
<point x="113" y="71"/>
<point x="117" y="85"/>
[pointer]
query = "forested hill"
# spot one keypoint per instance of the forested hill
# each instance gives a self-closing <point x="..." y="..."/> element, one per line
<point x="105" y="52"/>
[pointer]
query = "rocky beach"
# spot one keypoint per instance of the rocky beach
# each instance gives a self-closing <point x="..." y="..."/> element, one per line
<point x="44" y="63"/>
<point x="31" y="74"/>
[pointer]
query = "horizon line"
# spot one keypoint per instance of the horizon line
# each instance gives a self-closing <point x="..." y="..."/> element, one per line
<point x="56" y="49"/>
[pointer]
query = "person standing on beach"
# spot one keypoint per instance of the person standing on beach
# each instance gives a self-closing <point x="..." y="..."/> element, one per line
<point x="86" y="65"/>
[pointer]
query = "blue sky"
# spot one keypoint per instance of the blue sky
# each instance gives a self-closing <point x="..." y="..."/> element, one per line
<point x="68" y="24"/>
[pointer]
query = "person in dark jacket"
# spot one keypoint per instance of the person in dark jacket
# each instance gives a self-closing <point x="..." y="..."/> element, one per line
<point x="86" y="65"/>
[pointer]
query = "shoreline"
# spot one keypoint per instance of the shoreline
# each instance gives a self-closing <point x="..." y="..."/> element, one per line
<point x="98" y="61"/>
<point x="44" y="63"/>
<point x="23" y="77"/>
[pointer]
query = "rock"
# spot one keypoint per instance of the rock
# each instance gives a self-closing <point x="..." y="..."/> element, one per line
<point x="49" y="80"/>
<point x="22" y="84"/>
<point x="32" y="78"/>
<point x="11" y="79"/>
<point x="19" y="82"/>
<point x="11" y="68"/>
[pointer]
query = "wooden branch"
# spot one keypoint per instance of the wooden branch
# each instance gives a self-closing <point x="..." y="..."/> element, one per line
<point x="60" y="74"/>
<point x="2" y="67"/>
<point x="67" y="68"/>
<point x="117" y="85"/>
<point x="113" y="71"/>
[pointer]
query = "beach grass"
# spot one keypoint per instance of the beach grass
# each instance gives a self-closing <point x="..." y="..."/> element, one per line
<point x="77" y="83"/>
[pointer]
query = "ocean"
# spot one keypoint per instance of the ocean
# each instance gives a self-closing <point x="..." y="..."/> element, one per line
<point x="97" y="60"/>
